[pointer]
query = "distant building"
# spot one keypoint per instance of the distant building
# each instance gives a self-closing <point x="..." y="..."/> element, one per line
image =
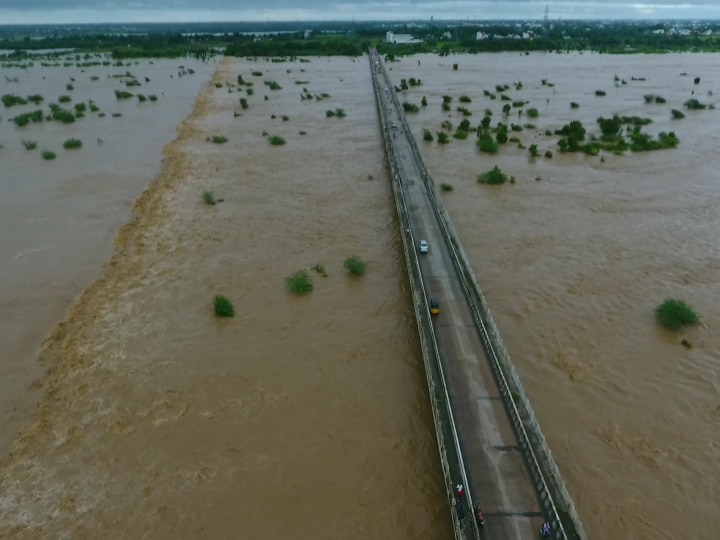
<point x="400" y="39"/>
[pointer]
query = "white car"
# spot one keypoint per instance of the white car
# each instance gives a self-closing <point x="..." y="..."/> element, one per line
<point x="423" y="246"/>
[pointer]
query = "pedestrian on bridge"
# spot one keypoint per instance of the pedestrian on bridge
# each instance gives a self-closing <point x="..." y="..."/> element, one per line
<point x="460" y="490"/>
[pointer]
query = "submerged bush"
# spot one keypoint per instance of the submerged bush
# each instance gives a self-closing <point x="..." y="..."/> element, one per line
<point x="29" y="145"/>
<point x="223" y="307"/>
<point x="427" y="135"/>
<point x="355" y="265"/>
<point x="208" y="198"/>
<point x="10" y="100"/>
<point x="674" y="314"/>
<point x="72" y="144"/>
<point x="446" y="187"/>
<point x="299" y="282"/>
<point x="48" y="155"/>
<point x="677" y="114"/>
<point x="276" y="140"/>
<point x="217" y="139"/>
<point x="493" y="177"/>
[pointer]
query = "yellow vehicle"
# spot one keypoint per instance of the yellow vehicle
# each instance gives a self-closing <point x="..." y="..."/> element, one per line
<point x="434" y="307"/>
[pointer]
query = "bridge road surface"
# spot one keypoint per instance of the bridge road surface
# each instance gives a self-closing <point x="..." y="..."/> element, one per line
<point x="496" y="471"/>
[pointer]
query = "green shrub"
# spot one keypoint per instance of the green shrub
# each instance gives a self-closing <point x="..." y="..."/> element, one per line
<point x="532" y="113"/>
<point x="493" y="177"/>
<point x="423" y="101"/>
<point x="445" y="106"/>
<point x="244" y="103"/>
<point x="208" y="198"/>
<point x="272" y="85"/>
<point x="141" y="98"/>
<point x="69" y="87"/>
<point x="217" y="139"/>
<point x="299" y="282"/>
<point x="80" y="107"/>
<point x="319" y="269"/>
<point x="694" y="104"/>
<point x="276" y="140"/>
<point x="29" y="145"/>
<point x="674" y="314"/>
<point x="600" y="93"/>
<point x="464" y="99"/>
<point x="548" y="154"/>
<point x="677" y="114"/>
<point x="534" y="152"/>
<point x="152" y="97"/>
<point x="257" y="73"/>
<point x="25" y="118"/>
<point x="446" y="187"/>
<point x="355" y="265"/>
<point x="285" y="118"/>
<point x="35" y="98"/>
<point x="64" y="99"/>
<point x="574" y="105"/>
<point x="10" y="100"/>
<point x="48" y="155"/>
<point x="442" y="137"/>
<point x="122" y="94"/>
<point x="427" y="135"/>
<point x="488" y="145"/>
<point x="465" y="111"/>
<point x="410" y="107"/>
<point x="223" y="307"/>
<point x="72" y="144"/>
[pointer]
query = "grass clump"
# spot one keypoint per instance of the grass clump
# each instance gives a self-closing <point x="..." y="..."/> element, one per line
<point x="208" y="198"/>
<point x="487" y="144"/>
<point x="35" y="98"/>
<point x="319" y="269"/>
<point x="674" y="314"/>
<point x="10" y="100"/>
<point x="678" y="115"/>
<point x="299" y="282"/>
<point x="442" y="137"/>
<point x="217" y="139"/>
<point x="72" y="144"/>
<point x="532" y="113"/>
<point x="29" y="145"/>
<point x="355" y="265"/>
<point x="446" y="187"/>
<point x="48" y="155"/>
<point x="223" y="307"/>
<point x="493" y="177"/>
<point x="276" y="140"/>
<point x="122" y="94"/>
<point x="464" y="99"/>
<point x="64" y="99"/>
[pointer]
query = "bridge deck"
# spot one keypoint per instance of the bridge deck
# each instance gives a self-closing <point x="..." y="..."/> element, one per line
<point x="497" y="475"/>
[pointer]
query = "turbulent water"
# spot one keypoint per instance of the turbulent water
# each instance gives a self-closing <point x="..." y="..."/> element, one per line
<point x="575" y="256"/>
<point x="58" y="218"/>
<point x="308" y="416"/>
<point x="303" y="417"/>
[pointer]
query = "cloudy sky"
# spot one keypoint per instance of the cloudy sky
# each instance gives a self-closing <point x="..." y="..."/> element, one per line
<point x="69" y="11"/>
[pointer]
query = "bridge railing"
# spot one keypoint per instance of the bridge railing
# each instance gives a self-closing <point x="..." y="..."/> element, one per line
<point x="553" y="494"/>
<point x="446" y="432"/>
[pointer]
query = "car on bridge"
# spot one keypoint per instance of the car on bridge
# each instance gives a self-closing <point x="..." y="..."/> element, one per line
<point x="423" y="246"/>
<point x="434" y="307"/>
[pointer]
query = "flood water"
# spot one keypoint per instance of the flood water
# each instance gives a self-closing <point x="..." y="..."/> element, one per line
<point x="303" y="417"/>
<point x="58" y="218"/>
<point x="575" y="256"/>
<point x="308" y="416"/>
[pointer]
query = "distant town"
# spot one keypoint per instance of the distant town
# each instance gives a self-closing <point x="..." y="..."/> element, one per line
<point x="354" y="38"/>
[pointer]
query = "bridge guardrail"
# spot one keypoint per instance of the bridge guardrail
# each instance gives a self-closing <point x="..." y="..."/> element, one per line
<point x="553" y="494"/>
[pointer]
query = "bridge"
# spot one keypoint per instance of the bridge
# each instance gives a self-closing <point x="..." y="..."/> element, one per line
<point x="488" y="438"/>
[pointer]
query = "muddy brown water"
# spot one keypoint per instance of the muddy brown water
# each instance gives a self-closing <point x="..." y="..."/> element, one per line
<point x="575" y="256"/>
<point x="303" y="416"/>
<point x="308" y="416"/>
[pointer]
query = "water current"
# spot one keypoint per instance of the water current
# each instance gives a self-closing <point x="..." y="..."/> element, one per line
<point x="308" y="416"/>
<point x="302" y="417"/>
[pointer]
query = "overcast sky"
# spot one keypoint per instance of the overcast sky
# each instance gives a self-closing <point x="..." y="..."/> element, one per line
<point x="69" y="11"/>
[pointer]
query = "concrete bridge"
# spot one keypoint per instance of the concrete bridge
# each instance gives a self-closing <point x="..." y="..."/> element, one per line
<point x="488" y="437"/>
